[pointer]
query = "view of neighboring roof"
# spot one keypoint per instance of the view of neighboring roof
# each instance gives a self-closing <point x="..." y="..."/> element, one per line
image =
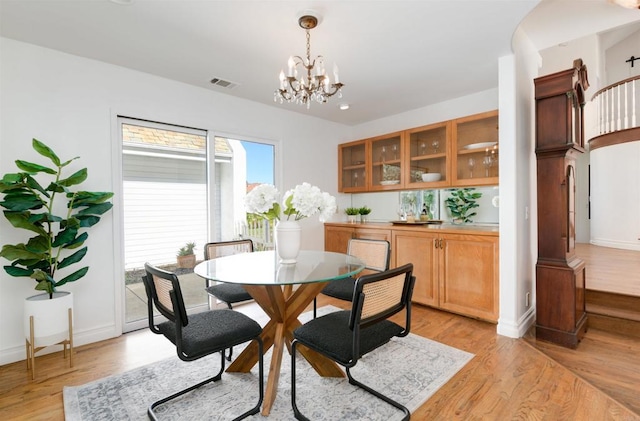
<point x="147" y="136"/>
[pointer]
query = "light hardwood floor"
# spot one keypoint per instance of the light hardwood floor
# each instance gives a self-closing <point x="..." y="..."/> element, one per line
<point x="611" y="270"/>
<point x="508" y="379"/>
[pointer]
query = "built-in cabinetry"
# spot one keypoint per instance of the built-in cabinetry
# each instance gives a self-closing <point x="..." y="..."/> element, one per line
<point x="337" y="236"/>
<point x="460" y="152"/>
<point x="456" y="268"/>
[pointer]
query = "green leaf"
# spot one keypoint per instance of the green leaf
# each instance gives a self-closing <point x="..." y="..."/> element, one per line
<point x="87" y="197"/>
<point x="76" y="178"/>
<point x="56" y="188"/>
<point x="21" y="220"/>
<point x="77" y="242"/>
<point x="30" y="167"/>
<point x="21" y="201"/>
<point x="33" y="183"/>
<point x="19" y="251"/>
<point x="65" y="236"/>
<point x="40" y="275"/>
<point x="47" y="286"/>
<point x="97" y="209"/>
<point x="74" y="258"/>
<point x="87" y="221"/>
<point x="44" y="150"/>
<point x="74" y="276"/>
<point x="38" y="244"/>
<point x="17" y="272"/>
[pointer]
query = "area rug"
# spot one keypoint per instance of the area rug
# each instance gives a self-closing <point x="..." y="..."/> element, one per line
<point x="408" y="369"/>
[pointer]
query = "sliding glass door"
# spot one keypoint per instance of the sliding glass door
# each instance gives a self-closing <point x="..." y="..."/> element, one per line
<point x="165" y="208"/>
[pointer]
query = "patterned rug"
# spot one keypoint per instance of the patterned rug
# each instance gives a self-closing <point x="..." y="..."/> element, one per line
<point x="408" y="370"/>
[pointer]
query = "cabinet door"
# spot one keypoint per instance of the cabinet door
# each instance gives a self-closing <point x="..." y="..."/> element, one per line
<point x="427" y="152"/>
<point x="419" y="248"/>
<point x="386" y="171"/>
<point x="352" y="176"/>
<point x="337" y="238"/>
<point x="469" y="275"/>
<point x="475" y="150"/>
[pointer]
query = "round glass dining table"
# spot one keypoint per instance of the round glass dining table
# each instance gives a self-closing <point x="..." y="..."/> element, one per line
<point x="271" y="284"/>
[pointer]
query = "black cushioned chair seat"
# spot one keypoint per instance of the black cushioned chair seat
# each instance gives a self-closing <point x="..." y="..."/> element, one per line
<point x="229" y="293"/>
<point x="213" y="330"/>
<point x="341" y="289"/>
<point x="331" y="335"/>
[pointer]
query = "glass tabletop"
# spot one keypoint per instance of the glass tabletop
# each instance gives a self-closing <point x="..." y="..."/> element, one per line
<point x="263" y="268"/>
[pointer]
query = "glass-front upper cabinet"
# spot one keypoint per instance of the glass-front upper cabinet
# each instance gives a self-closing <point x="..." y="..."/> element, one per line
<point x="475" y="149"/>
<point x="386" y="162"/>
<point x="352" y="164"/>
<point x="427" y="150"/>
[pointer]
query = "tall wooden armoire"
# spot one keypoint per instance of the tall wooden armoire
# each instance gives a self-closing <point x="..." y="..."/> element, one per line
<point x="560" y="274"/>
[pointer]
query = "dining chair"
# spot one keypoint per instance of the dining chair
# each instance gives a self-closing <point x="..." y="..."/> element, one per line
<point x="375" y="254"/>
<point x="227" y="293"/>
<point x="346" y="336"/>
<point x="199" y="334"/>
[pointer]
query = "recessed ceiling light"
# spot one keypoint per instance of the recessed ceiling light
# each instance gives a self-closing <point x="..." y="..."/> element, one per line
<point x="343" y="106"/>
<point x="122" y="2"/>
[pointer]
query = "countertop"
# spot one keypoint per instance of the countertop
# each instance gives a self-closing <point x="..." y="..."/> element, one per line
<point x="471" y="228"/>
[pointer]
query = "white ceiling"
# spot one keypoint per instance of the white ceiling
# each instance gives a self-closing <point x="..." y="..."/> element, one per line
<point x="394" y="56"/>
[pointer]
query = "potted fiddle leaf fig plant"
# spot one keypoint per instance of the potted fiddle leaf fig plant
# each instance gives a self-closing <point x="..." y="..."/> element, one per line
<point x="56" y="215"/>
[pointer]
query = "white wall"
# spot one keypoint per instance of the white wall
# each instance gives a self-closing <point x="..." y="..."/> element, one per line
<point x="71" y="104"/>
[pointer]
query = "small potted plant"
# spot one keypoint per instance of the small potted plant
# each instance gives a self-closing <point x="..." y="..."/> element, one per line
<point x="460" y="204"/>
<point x="352" y="214"/>
<point x="364" y="213"/>
<point x="186" y="257"/>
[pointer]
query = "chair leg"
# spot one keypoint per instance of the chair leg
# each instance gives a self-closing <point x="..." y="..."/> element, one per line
<point x="315" y="307"/>
<point x="230" y="349"/>
<point x="152" y="415"/>
<point x="407" y="414"/>
<point x="296" y="412"/>
<point x="218" y="376"/>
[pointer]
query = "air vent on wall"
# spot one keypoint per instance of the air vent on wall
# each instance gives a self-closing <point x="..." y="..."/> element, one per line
<point x="223" y="83"/>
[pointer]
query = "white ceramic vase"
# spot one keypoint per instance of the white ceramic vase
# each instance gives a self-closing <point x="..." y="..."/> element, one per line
<point x="287" y="241"/>
<point x="50" y="317"/>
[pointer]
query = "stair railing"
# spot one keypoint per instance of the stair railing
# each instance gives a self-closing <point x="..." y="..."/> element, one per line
<point x="618" y="105"/>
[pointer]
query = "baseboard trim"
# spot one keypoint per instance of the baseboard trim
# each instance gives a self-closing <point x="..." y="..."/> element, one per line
<point x="18" y="353"/>
<point x="518" y="329"/>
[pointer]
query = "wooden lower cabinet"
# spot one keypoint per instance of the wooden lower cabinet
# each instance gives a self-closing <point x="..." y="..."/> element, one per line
<point x="336" y="238"/>
<point x="454" y="272"/>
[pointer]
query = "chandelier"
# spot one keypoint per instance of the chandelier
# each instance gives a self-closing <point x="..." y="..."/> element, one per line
<point x="312" y="84"/>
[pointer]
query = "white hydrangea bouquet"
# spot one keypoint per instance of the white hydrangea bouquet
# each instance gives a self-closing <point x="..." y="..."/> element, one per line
<point x="302" y="201"/>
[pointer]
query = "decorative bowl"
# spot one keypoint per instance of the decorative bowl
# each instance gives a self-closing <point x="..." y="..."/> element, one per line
<point x="431" y="176"/>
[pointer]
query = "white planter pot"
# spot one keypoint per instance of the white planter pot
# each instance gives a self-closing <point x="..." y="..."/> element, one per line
<point x="50" y="317"/>
<point x="288" y="241"/>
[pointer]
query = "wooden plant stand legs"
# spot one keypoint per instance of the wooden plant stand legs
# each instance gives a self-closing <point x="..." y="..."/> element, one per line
<point x="31" y="349"/>
<point x="283" y="306"/>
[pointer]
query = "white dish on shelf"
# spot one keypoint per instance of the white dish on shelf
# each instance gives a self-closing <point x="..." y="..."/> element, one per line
<point x="480" y="145"/>
<point x="431" y="176"/>
<point x="389" y="182"/>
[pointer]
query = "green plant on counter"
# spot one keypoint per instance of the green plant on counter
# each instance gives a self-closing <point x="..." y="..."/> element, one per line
<point x="352" y="211"/>
<point x="461" y="202"/>
<point x="364" y="210"/>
